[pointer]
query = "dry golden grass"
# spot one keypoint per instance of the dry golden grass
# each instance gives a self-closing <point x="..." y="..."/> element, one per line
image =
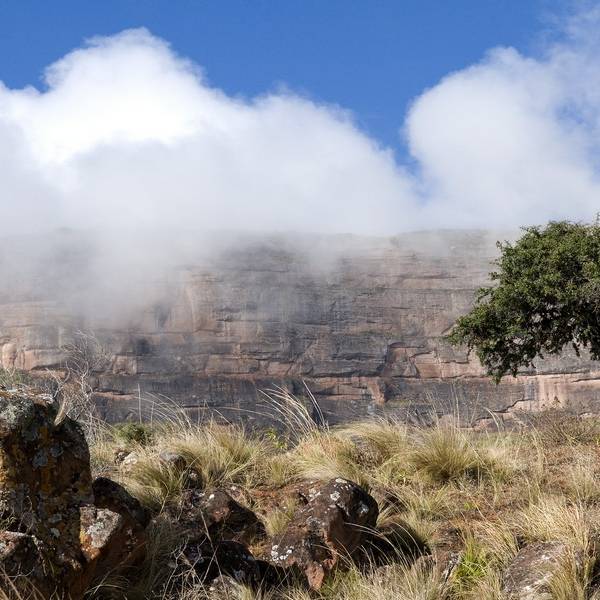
<point x="481" y="495"/>
<point x="18" y="588"/>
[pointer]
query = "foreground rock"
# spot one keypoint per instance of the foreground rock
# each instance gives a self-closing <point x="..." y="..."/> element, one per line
<point x="20" y="565"/>
<point x="213" y="559"/>
<point x="529" y="574"/>
<point x="216" y="516"/>
<point x="335" y="522"/>
<point x="47" y="499"/>
<point x="113" y="496"/>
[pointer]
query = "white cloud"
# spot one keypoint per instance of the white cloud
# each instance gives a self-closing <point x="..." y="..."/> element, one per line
<point x="128" y="134"/>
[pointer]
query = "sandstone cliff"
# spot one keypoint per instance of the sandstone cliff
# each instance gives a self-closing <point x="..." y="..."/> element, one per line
<point x="360" y="320"/>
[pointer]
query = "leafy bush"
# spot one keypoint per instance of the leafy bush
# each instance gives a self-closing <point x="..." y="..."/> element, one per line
<point x="545" y="295"/>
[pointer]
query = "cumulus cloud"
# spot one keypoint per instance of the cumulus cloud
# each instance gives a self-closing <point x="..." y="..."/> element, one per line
<point x="127" y="134"/>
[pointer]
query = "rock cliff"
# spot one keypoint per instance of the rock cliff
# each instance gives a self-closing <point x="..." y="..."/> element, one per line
<point x="359" y="320"/>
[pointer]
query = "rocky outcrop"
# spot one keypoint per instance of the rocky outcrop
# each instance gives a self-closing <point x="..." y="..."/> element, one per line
<point x="360" y="320"/>
<point x="57" y="536"/>
<point x="217" y="516"/>
<point x="335" y="526"/>
<point x="529" y="575"/>
<point x="336" y="521"/>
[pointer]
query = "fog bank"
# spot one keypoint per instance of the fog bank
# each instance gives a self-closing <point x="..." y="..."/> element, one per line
<point x="128" y="150"/>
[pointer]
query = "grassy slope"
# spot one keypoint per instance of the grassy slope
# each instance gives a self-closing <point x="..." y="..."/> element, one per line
<point x="481" y="494"/>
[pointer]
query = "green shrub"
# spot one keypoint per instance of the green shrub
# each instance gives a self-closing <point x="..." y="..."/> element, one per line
<point x="133" y="433"/>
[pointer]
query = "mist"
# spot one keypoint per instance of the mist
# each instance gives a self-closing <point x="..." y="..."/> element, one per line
<point x="128" y="148"/>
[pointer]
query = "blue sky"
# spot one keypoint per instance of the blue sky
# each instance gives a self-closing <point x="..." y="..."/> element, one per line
<point x="372" y="57"/>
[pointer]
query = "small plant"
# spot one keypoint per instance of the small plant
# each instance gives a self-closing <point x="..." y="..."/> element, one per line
<point x="133" y="433"/>
<point x="12" y="378"/>
<point x="572" y="579"/>
<point x="224" y="454"/>
<point x="447" y="454"/>
<point x="155" y="483"/>
<point x="275" y="438"/>
<point x="472" y="568"/>
<point x="582" y="484"/>
<point x="327" y="456"/>
<point x="553" y="518"/>
<point x="277" y="520"/>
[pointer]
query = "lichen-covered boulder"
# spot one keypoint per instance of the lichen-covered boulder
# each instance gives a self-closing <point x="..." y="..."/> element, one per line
<point x="335" y="521"/>
<point x="47" y="499"/>
<point x="529" y="574"/>
<point x="44" y="473"/>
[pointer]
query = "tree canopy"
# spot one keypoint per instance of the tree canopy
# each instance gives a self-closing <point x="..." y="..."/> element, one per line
<point x="545" y="294"/>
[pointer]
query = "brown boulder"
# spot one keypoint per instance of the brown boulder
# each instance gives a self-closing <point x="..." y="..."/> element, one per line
<point x="110" y="494"/>
<point x="103" y="536"/>
<point x="335" y="522"/>
<point x="47" y="497"/>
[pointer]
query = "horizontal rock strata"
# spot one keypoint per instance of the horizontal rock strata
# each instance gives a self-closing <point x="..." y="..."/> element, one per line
<point x="359" y="320"/>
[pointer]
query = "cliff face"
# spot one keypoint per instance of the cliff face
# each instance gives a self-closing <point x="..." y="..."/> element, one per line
<point x="359" y="320"/>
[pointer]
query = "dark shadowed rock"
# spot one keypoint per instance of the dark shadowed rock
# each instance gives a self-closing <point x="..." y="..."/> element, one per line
<point x="334" y="523"/>
<point x="110" y="494"/>
<point x="529" y="574"/>
<point x="21" y="567"/>
<point x="217" y="516"/>
<point x="398" y="542"/>
<point x="211" y="560"/>
<point x="19" y="555"/>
